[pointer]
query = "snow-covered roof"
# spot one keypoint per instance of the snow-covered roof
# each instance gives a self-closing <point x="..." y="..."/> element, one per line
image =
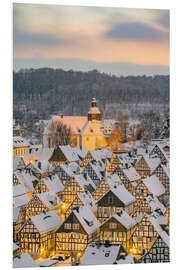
<point x="46" y="221"/>
<point x="43" y="166"/>
<point x="166" y="170"/>
<point x="125" y="160"/>
<point x="87" y="219"/>
<point x="130" y="259"/>
<point x="18" y="163"/>
<point x="123" y="218"/>
<point x="161" y="146"/>
<point x="119" y="190"/>
<point x="131" y="145"/>
<point x="53" y="183"/>
<point x="131" y="174"/>
<point x="18" y="190"/>
<point x="97" y="253"/>
<point x="76" y="123"/>
<point x="85" y="182"/>
<point x="19" y="141"/>
<point x="96" y="168"/>
<point x="74" y="167"/>
<point x="66" y="168"/>
<point x="47" y="198"/>
<point x="38" y="153"/>
<point x="88" y="200"/>
<point x="81" y="152"/>
<point x="69" y="152"/>
<point x="16" y="211"/>
<point x="21" y="200"/>
<point x="152" y="162"/>
<point x="24" y="260"/>
<point x="160" y="222"/>
<point x="100" y="154"/>
<point x="155" y="203"/>
<point x="26" y="178"/>
<point x="141" y="151"/>
<point x="154" y="185"/>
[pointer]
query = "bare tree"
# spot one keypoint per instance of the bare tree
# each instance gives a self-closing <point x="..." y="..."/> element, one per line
<point x="59" y="134"/>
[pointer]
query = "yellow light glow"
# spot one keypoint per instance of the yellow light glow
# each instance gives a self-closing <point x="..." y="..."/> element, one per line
<point x="31" y="160"/>
<point x="133" y="250"/>
<point x="63" y="206"/>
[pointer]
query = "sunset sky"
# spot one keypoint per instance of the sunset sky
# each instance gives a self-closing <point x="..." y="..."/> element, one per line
<point x="113" y="40"/>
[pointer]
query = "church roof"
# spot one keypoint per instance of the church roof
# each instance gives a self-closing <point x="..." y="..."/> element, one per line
<point x="75" y="122"/>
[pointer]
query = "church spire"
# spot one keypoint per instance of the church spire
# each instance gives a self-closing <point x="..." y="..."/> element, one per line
<point x="94" y="113"/>
<point x="93" y="102"/>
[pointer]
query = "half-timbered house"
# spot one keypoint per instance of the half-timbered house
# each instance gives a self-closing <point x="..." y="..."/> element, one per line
<point x="147" y="232"/>
<point x="161" y="151"/>
<point x="82" y="199"/>
<point x="119" y="228"/>
<point x="78" y="184"/>
<point x="101" y="189"/>
<point x="18" y="221"/>
<point x="77" y="231"/>
<point x="37" y="235"/>
<point x="115" y="199"/>
<point x="94" y="171"/>
<point x="146" y="165"/>
<point x="114" y="163"/>
<point x="129" y="177"/>
<point x="27" y="178"/>
<point x="65" y="173"/>
<point x="40" y="202"/>
<point x="158" y="253"/>
<point x="148" y="186"/>
<point x="162" y="173"/>
<point x="51" y="183"/>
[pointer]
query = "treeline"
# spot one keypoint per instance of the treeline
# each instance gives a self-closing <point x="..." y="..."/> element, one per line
<point x="38" y="93"/>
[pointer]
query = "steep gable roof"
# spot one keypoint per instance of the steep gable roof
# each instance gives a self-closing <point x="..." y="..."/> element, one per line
<point x="154" y="185"/>
<point x="87" y="219"/>
<point x="46" y="221"/>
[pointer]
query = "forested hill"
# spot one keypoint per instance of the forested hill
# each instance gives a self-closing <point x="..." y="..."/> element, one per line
<point x="47" y="91"/>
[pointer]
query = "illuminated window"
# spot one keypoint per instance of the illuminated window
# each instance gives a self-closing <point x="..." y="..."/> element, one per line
<point x="166" y="251"/>
<point x="75" y="226"/>
<point x="67" y="226"/>
<point x="112" y="225"/>
<point x="154" y="251"/>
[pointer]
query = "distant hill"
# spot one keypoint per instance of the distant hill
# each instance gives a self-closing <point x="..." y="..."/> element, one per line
<point x="38" y="93"/>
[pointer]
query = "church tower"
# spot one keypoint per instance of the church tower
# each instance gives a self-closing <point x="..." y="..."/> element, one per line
<point x="94" y="114"/>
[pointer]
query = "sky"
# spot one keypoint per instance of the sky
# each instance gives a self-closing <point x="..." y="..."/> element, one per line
<point x="118" y="41"/>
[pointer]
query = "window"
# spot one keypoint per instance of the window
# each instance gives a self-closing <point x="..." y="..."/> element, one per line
<point x="110" y="200"/>
<point x="75" y="226"/>
<point x="112" y="225"/>
<point x="67" y="226"/>
<point x="166" y="251"/>
<point x="154" y="251"/>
